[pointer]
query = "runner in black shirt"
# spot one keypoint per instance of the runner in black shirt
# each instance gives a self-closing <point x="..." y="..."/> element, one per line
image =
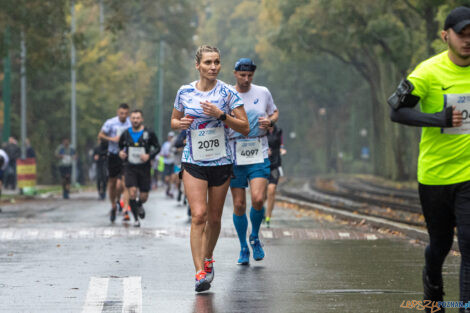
<point x="275" y="146"/>
<point x="100" y="156"/>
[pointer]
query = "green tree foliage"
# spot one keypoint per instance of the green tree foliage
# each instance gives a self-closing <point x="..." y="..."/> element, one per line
<point x="302" y="83"/>
<point x="334" y="57"/>
<point x="382" y="40"/>
<point x="115" y="66"/>
<point x="330" y="65"/>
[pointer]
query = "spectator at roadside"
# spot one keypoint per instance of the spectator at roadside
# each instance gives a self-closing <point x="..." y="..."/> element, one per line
<point x="30" y="153"/>
<point x="14" y="153"/>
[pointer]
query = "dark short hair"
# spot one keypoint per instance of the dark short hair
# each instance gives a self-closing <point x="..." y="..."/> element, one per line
<point x="137" y="111"/>
<point x="124" y="106"/>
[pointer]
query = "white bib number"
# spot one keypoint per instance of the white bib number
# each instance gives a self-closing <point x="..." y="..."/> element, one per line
<point x="134" y="155"/>
<point x="208" y="144"/>
<point x="462" y="103"/>
<point x="67" y="159"/>
<point x="249" y="151"/>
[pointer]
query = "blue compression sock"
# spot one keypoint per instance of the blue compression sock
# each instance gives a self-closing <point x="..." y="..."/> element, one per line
<point x="241" y="225"/>
<point x="256" y="217"/>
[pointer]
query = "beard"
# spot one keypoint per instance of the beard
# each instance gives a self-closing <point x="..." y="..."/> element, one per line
<point x="455" y="50"/>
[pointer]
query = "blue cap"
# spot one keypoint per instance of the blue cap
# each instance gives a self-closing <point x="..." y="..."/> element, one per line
<point x="245" y="64"/>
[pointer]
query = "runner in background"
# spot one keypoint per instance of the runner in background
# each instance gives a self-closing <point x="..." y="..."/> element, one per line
<point x="205" y="109"/>
<point x="100" y="157"/>
<point x="111" y="132"/>
<point x="168" y="154"/>
<point x="14" y="153"/>
<point x="276" y="149"/>
<point x="158" y="167"/>
<point x="251" y="166"/>
<point x="179" y="143"/>
<point x="3" y="166"/>
<point x="66" y="155"/>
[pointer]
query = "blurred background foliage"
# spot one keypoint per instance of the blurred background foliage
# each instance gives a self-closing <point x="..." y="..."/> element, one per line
<point x="330" y="65"/>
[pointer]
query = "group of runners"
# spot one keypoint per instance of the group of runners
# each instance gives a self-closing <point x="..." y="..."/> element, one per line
<point x="226" y="146"/>
<point x="131" y="147"/>
<point x="231" y="141"/>
<point x="228" y="138"/>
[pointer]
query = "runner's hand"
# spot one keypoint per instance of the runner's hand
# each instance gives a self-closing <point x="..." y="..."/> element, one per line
<point x="145" y="157"/>
<point x="114" y="139"/>
<point x="185" y="122"/>
<point x="457" y="117"/>
<point x="211" y="109"/>
<point x="264" y="123"/>
<point x="122" y="154"/>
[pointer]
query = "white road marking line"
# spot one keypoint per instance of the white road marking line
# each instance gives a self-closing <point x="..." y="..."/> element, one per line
<point x="108" y="233"/>
<point x="371" y="237"/>
<point x="58" y="234"/>
<point x="311" y="234"/>
<point x="33" y="233"/>
<point x="84" y="233"/>
<point x="160" y="233"/>
<point x="287" y="233"/>
<point x="134" y="232"/>
<point x="6" y="235"/>
<point x="267" y="234"/>
<point x="96" y="295"/>
<point x="132" y="302"/>
<point x="344" y="235"/>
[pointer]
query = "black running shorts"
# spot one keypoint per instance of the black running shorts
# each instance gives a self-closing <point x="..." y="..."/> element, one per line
<point x="65" y="171"/>
<point x="138" y="176"/>
<point x="214" y="175"/>
<point x="274" y="176"/>
<point x="168" y="170"/>
<point x="115" y="165"/>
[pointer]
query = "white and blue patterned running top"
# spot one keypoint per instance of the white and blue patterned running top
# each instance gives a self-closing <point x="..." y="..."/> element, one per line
<point x="188" y="100"/>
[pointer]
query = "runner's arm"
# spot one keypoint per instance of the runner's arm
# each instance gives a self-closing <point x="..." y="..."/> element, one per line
<point x="57" y="153"/>
<point x="412" y="117"/>
<point x="122" y="143"/>
<point x="274" y="117"/>
<point x="179" y="121"/>
<point x="265" y="123"/>
<point x="154" y="148"/>
<point x="102" y="135"/>
<point x="239" y="121"/>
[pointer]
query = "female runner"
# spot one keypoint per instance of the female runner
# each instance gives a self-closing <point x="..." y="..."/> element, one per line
<point x="205" y="109"/>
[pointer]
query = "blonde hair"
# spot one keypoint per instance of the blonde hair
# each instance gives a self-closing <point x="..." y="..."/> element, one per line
<point x="205" y="48"/>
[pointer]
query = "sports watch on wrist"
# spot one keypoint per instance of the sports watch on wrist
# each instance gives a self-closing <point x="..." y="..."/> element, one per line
<point x="223" y="117"/>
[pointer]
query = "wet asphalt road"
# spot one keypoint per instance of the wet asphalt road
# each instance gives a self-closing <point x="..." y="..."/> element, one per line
<point x="65" y="256"/>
